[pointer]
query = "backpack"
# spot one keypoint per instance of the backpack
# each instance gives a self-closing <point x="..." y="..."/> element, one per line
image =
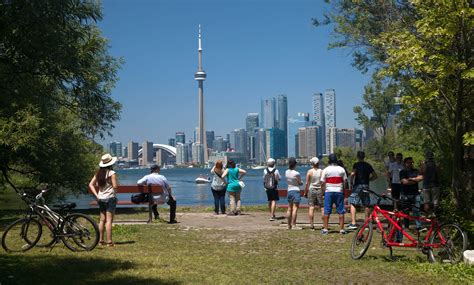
<point x="269" y="181"/>
<point x="140" y="198"/>
<point x="218" y="183"/>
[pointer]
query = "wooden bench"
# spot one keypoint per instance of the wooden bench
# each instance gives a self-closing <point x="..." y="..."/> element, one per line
<point x="135" y="189"/>
<point x="283" y="193"/>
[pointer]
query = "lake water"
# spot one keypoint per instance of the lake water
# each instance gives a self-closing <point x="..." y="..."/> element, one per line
<point x="188" y="193"/>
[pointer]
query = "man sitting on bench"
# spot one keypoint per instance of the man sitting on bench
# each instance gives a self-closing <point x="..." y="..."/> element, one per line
<point x="155" y="178"/>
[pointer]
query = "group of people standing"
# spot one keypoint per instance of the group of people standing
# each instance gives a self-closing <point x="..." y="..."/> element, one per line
<point x="403" y="179"/>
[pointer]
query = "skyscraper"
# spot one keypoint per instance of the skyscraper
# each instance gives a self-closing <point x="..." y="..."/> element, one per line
<point x="200" y="76"/>
<point x="282" y="124"/>
<point x="268" y="113"/>
<point x="329" y="114"/>
<point x="300" y="121"/>
<point x="147" y="153"/>
<point x="115" y="149"/>
<point x="209" y="138"/>
<point x="346" y="138"/>
<point x="239" y="141"/>
<point x="180" y="137"/>
<point x="251" y="123"/>
<point x="307" y="141"/>
<point x="172" y="142"/>
<point x="318" y="109"/>
<point x="260" y="146"/>
<point x="132" y="151"/>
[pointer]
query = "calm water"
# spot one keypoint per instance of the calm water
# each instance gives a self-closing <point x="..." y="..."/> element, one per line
<point x="188" y="193"/>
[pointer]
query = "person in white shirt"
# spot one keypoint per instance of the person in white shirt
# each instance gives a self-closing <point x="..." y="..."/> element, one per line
<point x="333" y="177"/>
<point x="104" y="187"/>
<point x="155" y="178"/>
<point x="313" y="191"/>
<point x="293" y="179"/>
<point x="271" y="177"/>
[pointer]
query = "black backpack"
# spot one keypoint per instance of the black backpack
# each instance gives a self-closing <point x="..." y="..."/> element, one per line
<point x="269" y="181"/>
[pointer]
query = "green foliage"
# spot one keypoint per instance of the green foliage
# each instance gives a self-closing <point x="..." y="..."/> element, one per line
<point x="379" y="99"/>
<point x="468" y="138"/>
<point x="425" y="48"/>
<point x="56" y="77"/>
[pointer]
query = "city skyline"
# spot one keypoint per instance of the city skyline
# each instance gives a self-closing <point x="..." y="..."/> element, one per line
<point x="249" y="60"/>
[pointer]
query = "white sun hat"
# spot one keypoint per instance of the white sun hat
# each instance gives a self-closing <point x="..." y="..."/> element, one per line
<point x="107" y="160"/>
<point x="314" y="160"/>
<point x="270" y="161"/>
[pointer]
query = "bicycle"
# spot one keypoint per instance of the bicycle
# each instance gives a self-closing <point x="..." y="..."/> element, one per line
<point x="77" y="231"/>
<point x="444" y="243"/>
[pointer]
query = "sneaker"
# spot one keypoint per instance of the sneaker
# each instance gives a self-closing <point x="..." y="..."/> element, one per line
<point x="173" y="222"/>
<point x="296" y="228"/>
<point x="272" y="219"/>
<point x="343" y="232"/>
<point x="352" y="227"/>
<point x="238" y="213"/>
<point x="324" y="231"/>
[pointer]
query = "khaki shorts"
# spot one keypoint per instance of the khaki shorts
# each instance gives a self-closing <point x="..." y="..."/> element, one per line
<point x="315" y="198"/>
<point x="431" y="195"/>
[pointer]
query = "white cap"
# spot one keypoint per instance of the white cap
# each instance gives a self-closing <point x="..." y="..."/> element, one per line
<point x="270" y="161"/>
<point x="314" y="160"/>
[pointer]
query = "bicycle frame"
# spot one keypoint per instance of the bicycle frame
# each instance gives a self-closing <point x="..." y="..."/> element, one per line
<point x="388" y="239"/>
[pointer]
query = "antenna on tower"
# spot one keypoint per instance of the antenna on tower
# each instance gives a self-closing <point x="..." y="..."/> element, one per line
<point x="199" y="47"/>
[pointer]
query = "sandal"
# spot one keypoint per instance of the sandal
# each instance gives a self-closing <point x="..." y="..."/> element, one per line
<point x="110" y="244"/>
<point x="102" y="242"/>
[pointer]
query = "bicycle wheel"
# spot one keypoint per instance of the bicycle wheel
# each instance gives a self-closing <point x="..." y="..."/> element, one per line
<point x="80" y="232"/>
<point x="21" y="235"/>
<point x="452" y="244"/>
<point x="47" y="238"/>
<point x="361" y="240"/>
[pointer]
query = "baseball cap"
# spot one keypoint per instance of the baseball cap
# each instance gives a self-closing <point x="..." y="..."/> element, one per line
<point x="314" y="160"/>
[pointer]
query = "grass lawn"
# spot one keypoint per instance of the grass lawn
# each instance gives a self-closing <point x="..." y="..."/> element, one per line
<point x="173" y="254"/>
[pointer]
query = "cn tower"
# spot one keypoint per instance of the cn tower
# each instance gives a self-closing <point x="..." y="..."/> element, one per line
<point x="200" y="76"/>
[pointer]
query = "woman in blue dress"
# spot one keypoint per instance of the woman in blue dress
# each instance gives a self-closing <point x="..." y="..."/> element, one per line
<point x="234" y="175"/>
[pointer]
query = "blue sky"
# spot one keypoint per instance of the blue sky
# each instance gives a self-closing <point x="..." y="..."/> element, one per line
<point x="251" y="50"/>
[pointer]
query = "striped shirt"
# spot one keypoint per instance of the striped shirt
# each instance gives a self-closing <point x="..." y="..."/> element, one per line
<point x="334" y="176"/>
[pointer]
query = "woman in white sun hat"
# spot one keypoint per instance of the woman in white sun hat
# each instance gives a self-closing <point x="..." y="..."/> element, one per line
<point x="103" y="185"/>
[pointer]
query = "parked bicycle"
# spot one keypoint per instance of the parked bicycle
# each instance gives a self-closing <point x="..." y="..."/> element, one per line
<point x="444" y="243"/>
<point x="77" y="231"/>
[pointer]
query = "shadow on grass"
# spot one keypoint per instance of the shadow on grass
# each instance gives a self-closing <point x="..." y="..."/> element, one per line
<point x="51" y="269"/>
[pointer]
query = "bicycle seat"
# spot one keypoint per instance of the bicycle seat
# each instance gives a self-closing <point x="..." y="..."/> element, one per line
<point x="67" y="206"/>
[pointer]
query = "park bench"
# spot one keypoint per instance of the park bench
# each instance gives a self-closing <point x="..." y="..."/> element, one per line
<point x="135" y="189"/>
<point x="283" y="193"/>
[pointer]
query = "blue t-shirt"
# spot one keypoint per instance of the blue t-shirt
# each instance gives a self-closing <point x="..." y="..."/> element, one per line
<point x="233" y="179"/>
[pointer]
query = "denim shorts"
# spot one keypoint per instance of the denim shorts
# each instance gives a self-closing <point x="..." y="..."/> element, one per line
<point x="359" y="197"/>
<point x="108" y="205"/>
<point x="294" y="197"/>
<point x="334" y="197"/>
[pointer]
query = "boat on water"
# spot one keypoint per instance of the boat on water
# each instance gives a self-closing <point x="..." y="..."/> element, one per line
<point x="202" y="179"/>
<point x="258" y="167"/>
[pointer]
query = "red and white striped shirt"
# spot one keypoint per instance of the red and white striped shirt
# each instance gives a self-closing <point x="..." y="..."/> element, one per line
<point x="334" y="176"/>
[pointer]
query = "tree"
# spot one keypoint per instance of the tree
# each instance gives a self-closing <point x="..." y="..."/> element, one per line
<point x="426" y="47"/>
<point x="56" y="77"/>
<point x="380" y="100"/>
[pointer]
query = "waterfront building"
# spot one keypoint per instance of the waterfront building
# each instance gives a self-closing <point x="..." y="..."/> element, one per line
<point x="282" y="124"/>
<point x="180" y="137"/>
<point x="307" y="142"/>
<point x="239" y="141"/>
<point x="147" y="153"/>
<point x="115" y="149"/>
<point x="182" y="150"/>
<point x="219" y="144"/>
<point x="125" y="152"/>
<point x="260" y="146"/>
<point x="268" y="113"/>
<point x="294" y="123"/>
<point x="345" y="138"/>
<point x="210" y="139"/>
<point x="172" y="142"/>
<point x="224" y="156"/>
<point x="251" y="123"/>
<point x="132" y="151"/>
<point x="329" y="116"/>
<point x="200" y="76"/>
<point x="319" y="119"/>
<point x="276" y="143"/>
<point x="198" y="153"/>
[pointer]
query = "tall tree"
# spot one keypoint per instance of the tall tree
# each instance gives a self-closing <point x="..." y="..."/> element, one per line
<point x="56" y="77"/>
<point x="426" y="46"/>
